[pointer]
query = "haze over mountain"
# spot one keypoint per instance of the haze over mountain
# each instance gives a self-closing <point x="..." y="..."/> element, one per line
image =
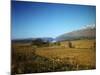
<point x="86" y="32"/>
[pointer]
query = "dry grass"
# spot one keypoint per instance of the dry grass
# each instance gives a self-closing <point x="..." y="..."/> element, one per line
<point x="27" y="59"/>
<point x="83" y="56"/>
<point x="84" y="43"/>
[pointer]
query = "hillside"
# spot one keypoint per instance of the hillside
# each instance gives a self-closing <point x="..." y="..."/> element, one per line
<point x="84" y="33"/>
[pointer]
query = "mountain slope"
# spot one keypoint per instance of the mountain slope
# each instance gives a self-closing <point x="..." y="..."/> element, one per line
<point x="85" y="33"/>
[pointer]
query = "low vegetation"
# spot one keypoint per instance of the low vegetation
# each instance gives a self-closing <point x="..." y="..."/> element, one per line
<point x="39" y="56"/>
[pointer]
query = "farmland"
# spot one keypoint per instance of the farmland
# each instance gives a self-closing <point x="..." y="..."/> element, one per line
<point x="78" y="56"/>
<point x="27" y="58"/>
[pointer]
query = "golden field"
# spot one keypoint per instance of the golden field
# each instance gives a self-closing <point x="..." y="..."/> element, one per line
<point x="27" y="58"/>
<point x="80" y="56"/>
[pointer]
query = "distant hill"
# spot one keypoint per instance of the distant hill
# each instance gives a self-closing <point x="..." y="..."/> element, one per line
<point x="88" y="32"/>
<point x="29" y="40"/>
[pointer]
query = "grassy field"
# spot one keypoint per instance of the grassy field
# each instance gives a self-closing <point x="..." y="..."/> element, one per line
<point x="78" y="56"/>
<point x="84" y="43"/>
<point x="29" y="59"/>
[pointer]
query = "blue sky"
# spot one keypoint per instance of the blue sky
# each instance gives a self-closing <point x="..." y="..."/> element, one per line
<point x="36" y="19"/>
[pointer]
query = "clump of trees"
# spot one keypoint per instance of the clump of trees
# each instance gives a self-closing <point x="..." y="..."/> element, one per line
<point x="40" y="43"/>
<point x="57" y="43"/>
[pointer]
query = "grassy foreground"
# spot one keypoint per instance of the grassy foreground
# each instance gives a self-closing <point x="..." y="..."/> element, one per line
<point x="27" y="58"/>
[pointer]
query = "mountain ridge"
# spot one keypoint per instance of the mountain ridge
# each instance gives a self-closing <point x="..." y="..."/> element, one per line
<point x="88" y="32"/>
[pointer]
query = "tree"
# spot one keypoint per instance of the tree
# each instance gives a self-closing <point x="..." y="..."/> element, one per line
<point x="70" y="44"/>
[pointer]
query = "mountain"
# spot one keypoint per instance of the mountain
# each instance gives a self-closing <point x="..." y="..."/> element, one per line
<point x="88" y="32"/>
<point x="29" y="40"/>
<point x="47" y="39"/>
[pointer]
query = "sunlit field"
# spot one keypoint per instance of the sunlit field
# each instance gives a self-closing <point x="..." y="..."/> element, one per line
<point x="27" y="58"/>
